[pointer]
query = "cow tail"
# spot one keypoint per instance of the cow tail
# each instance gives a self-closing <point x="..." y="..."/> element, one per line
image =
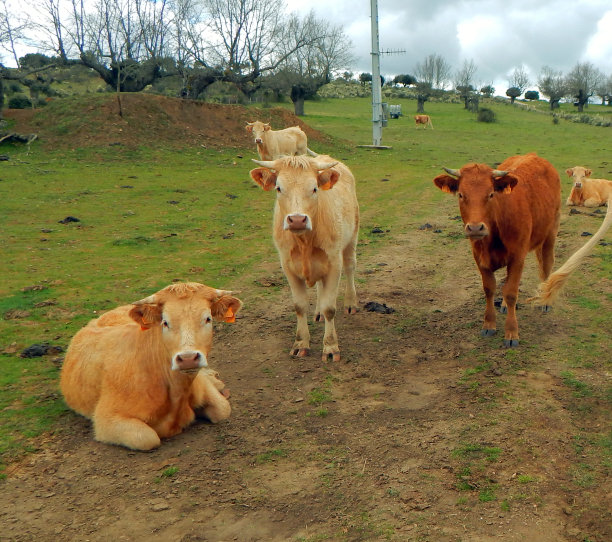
<point x="551" y="287"/>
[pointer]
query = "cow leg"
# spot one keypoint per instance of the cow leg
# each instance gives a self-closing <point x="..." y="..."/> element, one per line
<point x="301" y="346"/>
<point x="591" y="202"/>
<point x="113" y="428"/>
<point x="329" y="294"/>
<point x="318" y="315"/>
<point x="206" y="397"/>
<point x="349" y="258"/>
<point x="489" y="286"/>
<point x="510" y="294"/>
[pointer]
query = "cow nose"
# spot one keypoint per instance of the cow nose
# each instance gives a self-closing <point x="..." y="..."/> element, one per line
<point x="578" y="184"/>
<point x="258" y="140"/>
<point x="476" y="229"/>
<point x="297" y="222"/>
<point x="188" y="360"/>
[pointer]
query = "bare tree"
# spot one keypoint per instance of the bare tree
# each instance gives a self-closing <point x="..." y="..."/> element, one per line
<point x="519" y="79"/>
<point x="582" y="82"/>
<point x="553" y="85"/>
<point x="464" y="80"/>
<point x="434" y="71"/>
<point x="12" y="29"/>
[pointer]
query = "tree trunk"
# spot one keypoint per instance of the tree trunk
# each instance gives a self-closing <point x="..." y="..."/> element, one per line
<point x="298" y="107"/>
<point x="420" y="105"/>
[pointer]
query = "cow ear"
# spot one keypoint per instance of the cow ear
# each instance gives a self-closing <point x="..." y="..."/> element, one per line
<point x="327" y="178"/>
<point x="146" y="315"/>
<point x="225" y="308"/>
<point x="569" y="171"/>
<point x="505" y="184"/>
<point x="264" y="177"/>
<point x="267" y="127"/>
<point x="587" y="173"/>
<point x="248" y="128"/>
<point x="446" y="183"/>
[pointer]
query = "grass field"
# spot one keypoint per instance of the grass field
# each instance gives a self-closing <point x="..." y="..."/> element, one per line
<point x="148" y="217"/>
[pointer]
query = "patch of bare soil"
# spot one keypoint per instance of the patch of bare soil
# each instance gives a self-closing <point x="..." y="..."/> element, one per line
<point x="394" y="442"/>
<point x="148" y="120"/>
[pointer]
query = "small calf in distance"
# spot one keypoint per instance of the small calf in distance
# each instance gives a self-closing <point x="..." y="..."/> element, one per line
<point x="273" y="144"/>
<point x="140" y="371"/>
<point x="425" y="120"/>
<point x="586" y="191"/>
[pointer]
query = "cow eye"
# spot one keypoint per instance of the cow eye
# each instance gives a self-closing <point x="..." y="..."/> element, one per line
<point x="314" y="190"/>
<point x="278" y="189"/>
<point x="208" y="320"/>
<point x="165" y="324"/>
<point x="460" y="195"/>
<point x="491" y="195"/>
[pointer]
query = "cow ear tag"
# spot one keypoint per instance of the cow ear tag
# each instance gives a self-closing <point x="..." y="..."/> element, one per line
<point x="326" y="186"/>
<point x="229" y="315"/>
<point x="446" y="189"/>
<point x="507" y="190"/>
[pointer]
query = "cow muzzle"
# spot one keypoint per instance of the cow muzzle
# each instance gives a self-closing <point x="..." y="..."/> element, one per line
<point x="297" y="223"/>
<point x="189" y="361"/>
<point x="578" y="184"/>
<point x="476" y="230"/>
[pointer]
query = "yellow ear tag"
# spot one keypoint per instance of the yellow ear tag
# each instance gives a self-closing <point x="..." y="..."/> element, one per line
<point x="326" y="186"/>
<point x="229" y="316"/>
<point x="507" y="190"/>
<point x="446" y="189"/>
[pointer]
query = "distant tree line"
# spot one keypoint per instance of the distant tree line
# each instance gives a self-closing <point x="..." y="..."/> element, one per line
<point x="130" y="45"/>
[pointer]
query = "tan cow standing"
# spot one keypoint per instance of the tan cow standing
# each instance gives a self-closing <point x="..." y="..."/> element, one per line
<point x="586" y="191"/>
<point x="273" y="144"/>
<point x="425" y="120"/>
<point x="315" y="227"/>
<point x="139" y="371"/>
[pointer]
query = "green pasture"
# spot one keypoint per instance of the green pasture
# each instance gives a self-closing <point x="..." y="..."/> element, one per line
<point x="148" y="217"/>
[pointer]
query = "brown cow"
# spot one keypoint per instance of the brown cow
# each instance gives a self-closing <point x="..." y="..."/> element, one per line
<point x="273" y="144"/>
<point x="586" y="191"/>
<point x="316" y="221"/>
<point x="506" y="214"/>
<point x="139" y="371"/>
<point x="425" y="120"/>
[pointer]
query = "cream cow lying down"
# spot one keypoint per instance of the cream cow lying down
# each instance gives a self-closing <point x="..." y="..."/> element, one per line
<point x="140" y="371"/>
<point x="586" y="191"/>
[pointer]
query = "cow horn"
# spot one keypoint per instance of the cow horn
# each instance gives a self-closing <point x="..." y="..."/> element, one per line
<point x="321" y="167"/>
<point x="145" y="301"/>
<point x="221" y="293"/>
<point x="498" y="173"/>
<point x="265" y="163"/>
<point x="453" y="172"/>
<point x="310" y="152"/>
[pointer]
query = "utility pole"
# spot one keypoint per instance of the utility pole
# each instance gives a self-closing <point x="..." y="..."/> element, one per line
<point x="377" y="113"/>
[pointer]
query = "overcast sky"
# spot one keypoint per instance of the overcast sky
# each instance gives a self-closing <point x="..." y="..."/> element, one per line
<point x="499" y="35"/>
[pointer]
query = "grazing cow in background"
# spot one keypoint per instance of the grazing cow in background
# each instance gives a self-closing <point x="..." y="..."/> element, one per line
<point x="507" y="213"/>
<point x="586" y="191"/>
<point x="273" y="144"/>
<point x="316" y="221"/>
<point x="425" y="120"/>
<point x="139" y="371"/>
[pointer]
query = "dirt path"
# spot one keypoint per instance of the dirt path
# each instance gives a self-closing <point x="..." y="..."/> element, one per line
<point x="424" y="431"/>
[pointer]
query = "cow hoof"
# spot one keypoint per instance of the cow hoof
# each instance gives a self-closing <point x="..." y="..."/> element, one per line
<point x="546" y="308"/>
<point x="511" y="343"/>
<point x="487" y="332"/>
<point x="503" y="309"/>
<point x="300" y="352"/>
<point x="318" y="317"/>
<point x="331" y="356"/>
<point x="225" y="392"/>
<point x="351" y="310"/>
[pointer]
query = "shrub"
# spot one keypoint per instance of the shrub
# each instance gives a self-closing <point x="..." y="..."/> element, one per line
<point x="19" y="101"/>
<point x="486" y="115"/>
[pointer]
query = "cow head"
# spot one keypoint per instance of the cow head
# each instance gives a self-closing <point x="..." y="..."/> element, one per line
<point x="477" y="186"/>
<point x="258" y="129"/>
<point x="184" y="314"/>
<point x="578" y="175"/>
<point x="297" y="181"/>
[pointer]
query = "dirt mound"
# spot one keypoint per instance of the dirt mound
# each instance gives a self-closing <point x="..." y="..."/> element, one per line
<point x="147" y="120"/>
